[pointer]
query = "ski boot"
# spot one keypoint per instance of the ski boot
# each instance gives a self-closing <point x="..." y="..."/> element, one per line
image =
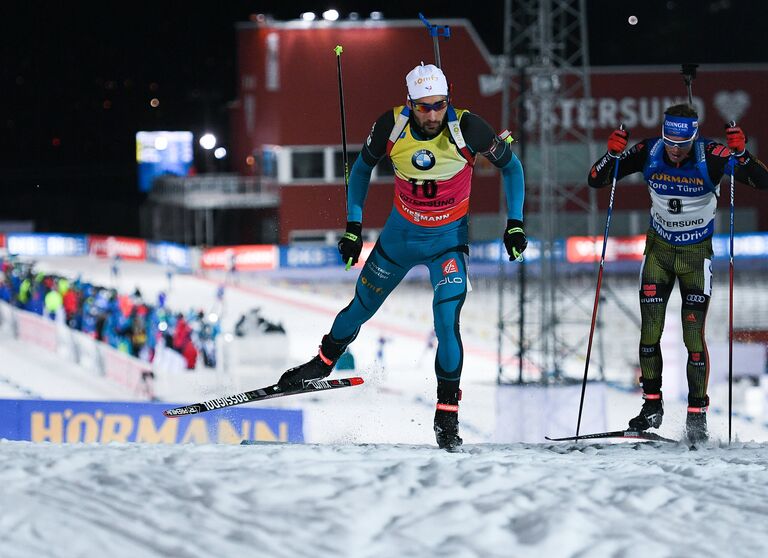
<point x="317" y="368"/>
<point x="651" y="414"/>
<point x="447" y="415"/>
<point x="696" y="420"/>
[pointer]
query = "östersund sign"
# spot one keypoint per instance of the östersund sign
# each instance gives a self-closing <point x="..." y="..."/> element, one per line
<point x="608" y="112"/>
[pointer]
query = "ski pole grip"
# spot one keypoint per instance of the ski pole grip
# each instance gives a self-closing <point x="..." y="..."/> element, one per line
<point x="731" y="124"/>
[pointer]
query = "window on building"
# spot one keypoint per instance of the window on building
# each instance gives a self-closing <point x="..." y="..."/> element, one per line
<point x="307" y="164"/>
<point x="338" y="161"/>
<point x="268" y="163"/>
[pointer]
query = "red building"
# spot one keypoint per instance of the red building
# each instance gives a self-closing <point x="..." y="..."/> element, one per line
<point x="286" y="122"/>
<point x="287" y="115"/>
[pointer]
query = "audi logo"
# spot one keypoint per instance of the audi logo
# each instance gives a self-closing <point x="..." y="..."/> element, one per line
<point x="695" y="298"/>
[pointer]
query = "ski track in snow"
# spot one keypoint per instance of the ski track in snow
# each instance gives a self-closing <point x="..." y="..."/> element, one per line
<point x="375" y="485"/>
<point x="624" y="500"/>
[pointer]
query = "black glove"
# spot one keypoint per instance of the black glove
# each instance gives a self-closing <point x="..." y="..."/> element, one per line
<point x="351" y="243"/>
<point x="514" y="239"/>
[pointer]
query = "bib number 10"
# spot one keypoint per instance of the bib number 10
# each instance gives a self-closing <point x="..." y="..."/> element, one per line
<point x="428" y="188"/>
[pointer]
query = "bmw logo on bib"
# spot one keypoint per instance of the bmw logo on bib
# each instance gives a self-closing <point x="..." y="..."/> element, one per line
<point x="423" y="159"/>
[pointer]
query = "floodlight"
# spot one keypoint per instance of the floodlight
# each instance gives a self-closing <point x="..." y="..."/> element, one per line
<point x="208" y="141"/>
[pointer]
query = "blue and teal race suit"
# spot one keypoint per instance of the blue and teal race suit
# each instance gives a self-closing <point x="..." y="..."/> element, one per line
<point x="428" y="224"/>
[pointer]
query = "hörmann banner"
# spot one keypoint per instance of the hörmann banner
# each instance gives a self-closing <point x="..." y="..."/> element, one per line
<point x="104" y="422"/>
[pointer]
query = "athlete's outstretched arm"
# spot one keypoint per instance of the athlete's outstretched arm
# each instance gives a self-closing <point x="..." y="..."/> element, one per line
<point x="481" y="138"/>
<point x="372" y="152"/>
<point x="631" y="161"/>
<point x="514" y="187"/>
<point x="749" y="170"/>
<point x="359" y="180"/>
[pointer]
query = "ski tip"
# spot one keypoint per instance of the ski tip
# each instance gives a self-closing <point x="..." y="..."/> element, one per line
<point x="166" y="414"/>
<point x="355" y="381"/>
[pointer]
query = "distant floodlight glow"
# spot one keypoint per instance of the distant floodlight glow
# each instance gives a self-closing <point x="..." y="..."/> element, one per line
<point x="161" y="143"/>
<point x="330" y="15"/>
<point x="208" y="141"/>
<point x="308" y="16"/>
<point x="220" y="153"/>
<point x="632" y="20"/>
<point x="377" y="15"/>
<point x="354" y="16"/>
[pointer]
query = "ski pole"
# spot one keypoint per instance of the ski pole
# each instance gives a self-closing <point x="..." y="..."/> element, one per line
<point x="732" y="164"/>
<point x="597" y="291"/>
<point x="435" y="31"/>
<point x="689" y="74"/>
<point x="338" y="50"/>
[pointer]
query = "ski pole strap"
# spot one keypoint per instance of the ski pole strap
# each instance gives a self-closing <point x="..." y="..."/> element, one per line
<point x="447" y="407"/>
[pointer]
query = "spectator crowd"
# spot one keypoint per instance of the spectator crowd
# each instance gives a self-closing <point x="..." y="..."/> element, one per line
<point x="125" y="321"/>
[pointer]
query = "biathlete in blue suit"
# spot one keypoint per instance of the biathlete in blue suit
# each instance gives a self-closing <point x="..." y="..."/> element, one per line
<point x="433" y="147"/>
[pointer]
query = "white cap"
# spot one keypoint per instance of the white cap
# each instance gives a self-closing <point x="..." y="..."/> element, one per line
<point x="425" y="81"/>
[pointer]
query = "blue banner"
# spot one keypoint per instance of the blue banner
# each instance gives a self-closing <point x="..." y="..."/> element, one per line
<point x="490" y="251"/>
<point x="47" y="244"/>
<point x="744" y="245"/>
<point x="103" y="422"/>
<point x="308" y="256"/>
<point x="169" y="253"/>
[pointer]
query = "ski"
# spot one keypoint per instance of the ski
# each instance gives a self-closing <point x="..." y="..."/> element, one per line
<point x="633" y="434"/>
<point x="310" y="386"/>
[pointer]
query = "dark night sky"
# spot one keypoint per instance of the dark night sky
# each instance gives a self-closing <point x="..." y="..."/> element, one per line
<point x="77" y="78"/>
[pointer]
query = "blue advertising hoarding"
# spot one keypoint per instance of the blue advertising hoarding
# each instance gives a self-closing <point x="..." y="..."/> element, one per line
<point x="308" y="256"/>
<point x="103" y="422"/>
<point x="745" y="245"/>
<point x="170" y="253"/>
<point x="31" y="244"/>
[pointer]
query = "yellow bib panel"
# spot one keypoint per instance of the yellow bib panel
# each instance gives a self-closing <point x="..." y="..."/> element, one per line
<point x="448" y="162"/>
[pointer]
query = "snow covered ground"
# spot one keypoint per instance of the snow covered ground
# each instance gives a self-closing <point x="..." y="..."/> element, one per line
<point x="371" y="482"/>
<point x="549" y="500"/>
